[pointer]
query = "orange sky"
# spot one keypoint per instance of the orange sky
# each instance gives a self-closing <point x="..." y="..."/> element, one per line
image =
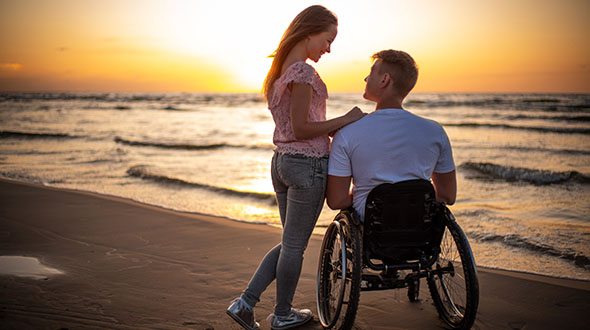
<point x="221" y="46"/>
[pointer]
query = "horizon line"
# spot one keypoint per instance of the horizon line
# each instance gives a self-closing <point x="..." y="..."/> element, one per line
<point x="260" y="93"/>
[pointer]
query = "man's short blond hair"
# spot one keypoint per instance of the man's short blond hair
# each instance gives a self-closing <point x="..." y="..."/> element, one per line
<point x="402" y="68"/>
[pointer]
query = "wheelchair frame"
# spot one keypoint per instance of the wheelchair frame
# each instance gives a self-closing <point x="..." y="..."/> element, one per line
<point x="346" y="268"/>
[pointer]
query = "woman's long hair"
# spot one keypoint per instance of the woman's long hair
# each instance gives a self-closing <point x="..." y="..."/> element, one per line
<point x="312" y="20"/>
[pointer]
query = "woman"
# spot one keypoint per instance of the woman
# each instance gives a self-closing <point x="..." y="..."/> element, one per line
<point x="297" y="100"/>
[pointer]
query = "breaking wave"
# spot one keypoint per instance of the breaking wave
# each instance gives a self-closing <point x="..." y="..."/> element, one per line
<point x="567" y="130"/>
<point x="534" y="176"/>
<point x="183" y="146"/>
<point x="557" y="118"/>
<point x="518" y="241"/>
<point x="544" y="102"/>
<point x="554" y="151"/>
<point x="169" y="98"/>
<point x="144" y="172"/>
<point x="34" y="135"/>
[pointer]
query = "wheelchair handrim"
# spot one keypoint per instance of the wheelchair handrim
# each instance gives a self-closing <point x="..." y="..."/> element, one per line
<point x="321" y="310"/>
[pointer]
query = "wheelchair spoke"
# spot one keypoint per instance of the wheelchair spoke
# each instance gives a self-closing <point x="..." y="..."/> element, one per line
<point x="449" y="299"/>
<point x="453" y="291"/>
<point x="338" y="289"/>
<point x="453" y="284"/>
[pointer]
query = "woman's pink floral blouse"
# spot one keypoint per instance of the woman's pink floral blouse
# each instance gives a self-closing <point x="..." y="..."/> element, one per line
<point x="279" y="102"/>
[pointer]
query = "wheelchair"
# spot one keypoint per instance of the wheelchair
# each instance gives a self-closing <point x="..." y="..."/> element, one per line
<point x="405" y="232"/>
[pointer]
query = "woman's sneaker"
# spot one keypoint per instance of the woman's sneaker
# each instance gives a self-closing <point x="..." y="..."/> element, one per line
<point x="241" y="312"/>
<point x="294" y="319"/>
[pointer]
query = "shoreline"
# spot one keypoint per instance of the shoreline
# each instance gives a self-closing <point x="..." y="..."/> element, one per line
<point x="316" y="233"/>
<point x="131" y="265"/>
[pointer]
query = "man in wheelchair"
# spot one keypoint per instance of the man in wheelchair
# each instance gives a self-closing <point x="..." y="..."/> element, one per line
<point x="391" y="144"/>
<point x="402" y="173"/>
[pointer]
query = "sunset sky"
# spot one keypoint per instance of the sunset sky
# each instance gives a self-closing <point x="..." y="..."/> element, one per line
<point x="222" y="46"/>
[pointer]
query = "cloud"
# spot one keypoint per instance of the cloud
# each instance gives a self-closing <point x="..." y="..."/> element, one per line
<point x="10" y="66"/>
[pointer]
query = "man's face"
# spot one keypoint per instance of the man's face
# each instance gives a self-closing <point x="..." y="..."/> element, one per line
<point x="372" y="82"/>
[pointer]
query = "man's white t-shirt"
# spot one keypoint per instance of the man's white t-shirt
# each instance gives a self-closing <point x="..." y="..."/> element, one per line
<point x="389" y="145"/>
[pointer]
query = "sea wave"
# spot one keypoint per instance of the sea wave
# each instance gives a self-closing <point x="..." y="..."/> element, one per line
<point x="122" y="107"/>
<point x="554" y="151"/>
<point x="544" y="102"/>
<point x="567" y="130"/>
<point x="517" y="148"/>
<point x="146" y="173"/>
<point x="169" y="145"/>
<point x="556" y="118"/>
<point x="34" y="135"/>
<point x="534" y="176"/>
<point x="169" y="98"/>
<point x="183" y="146"/>
<point x="518" y="241"/>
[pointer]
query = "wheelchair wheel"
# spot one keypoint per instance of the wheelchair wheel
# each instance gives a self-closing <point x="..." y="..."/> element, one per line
<point x="339" y="274"/>
<point x="453" y="282"/>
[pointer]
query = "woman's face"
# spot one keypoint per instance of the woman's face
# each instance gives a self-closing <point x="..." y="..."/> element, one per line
<point x="318" y="44"/>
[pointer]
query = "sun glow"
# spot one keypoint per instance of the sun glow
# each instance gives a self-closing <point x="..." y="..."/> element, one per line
<point x="223" y="46"/>
<point x="250" y="74"/>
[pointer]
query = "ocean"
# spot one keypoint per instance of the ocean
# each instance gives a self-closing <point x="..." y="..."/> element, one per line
<point x="523" y="161"/>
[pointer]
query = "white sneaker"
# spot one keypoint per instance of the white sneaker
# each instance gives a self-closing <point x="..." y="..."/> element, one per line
<point x="241" y="312"/>
<point x="294" y="319"/>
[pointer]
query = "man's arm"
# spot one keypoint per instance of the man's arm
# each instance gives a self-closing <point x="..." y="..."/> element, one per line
<point x="445" y="186"/>
<point x="338" y="194"/>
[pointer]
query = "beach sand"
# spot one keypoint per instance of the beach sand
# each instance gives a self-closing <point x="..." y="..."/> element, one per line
<point x="133" y="266"/>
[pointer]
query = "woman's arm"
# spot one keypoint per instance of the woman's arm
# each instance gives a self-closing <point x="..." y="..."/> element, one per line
<point x="303" y="129"/>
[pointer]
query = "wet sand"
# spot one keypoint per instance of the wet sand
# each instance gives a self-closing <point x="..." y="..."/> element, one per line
<point x="131" y="266"/>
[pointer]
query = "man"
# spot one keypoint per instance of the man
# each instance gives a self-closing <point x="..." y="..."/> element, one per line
<point x="390" y="144"/>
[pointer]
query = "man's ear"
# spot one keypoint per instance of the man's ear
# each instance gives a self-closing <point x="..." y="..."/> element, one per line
<point x="385" y="80"/>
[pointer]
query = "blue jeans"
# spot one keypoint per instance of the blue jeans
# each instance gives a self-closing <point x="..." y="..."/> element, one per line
<point x="300" y="185"/>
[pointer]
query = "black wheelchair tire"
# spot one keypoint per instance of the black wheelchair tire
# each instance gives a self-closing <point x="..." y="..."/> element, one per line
<point x="341" y="316"/>
<point x="461" y="313"/>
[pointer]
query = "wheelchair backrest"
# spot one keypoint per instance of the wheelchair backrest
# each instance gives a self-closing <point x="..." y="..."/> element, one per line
<point x="402" y="220"/>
